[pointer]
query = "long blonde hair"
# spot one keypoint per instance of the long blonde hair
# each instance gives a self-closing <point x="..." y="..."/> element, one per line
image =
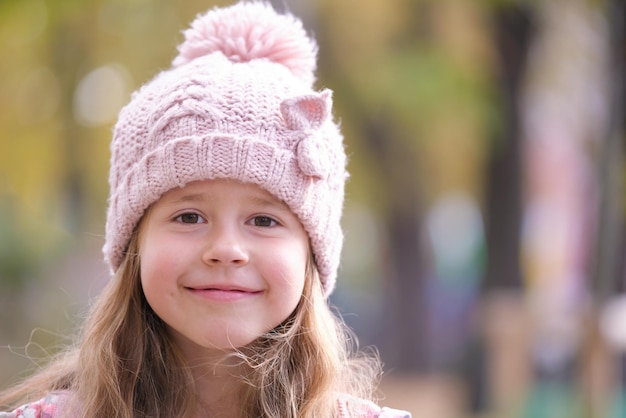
<point x="125" y="364"/>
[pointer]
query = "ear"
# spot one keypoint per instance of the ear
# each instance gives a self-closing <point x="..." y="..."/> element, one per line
<point x="307" y="112"/>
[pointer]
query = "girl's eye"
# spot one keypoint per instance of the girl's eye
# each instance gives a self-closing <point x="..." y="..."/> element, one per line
<point x="264" y="221"/>
<point x="189" y="218"/>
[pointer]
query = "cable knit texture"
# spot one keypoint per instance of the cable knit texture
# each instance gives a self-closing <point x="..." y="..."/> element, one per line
<point x="237" y="103"/>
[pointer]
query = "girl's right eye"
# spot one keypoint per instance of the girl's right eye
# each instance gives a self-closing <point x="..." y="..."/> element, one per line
<point x="189" y="218"/>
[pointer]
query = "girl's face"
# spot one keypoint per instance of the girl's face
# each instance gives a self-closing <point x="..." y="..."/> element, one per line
<point x="222" y="262"/>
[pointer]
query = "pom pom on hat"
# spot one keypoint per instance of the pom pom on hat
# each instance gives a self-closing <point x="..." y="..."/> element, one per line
<point x="249" y="31"/>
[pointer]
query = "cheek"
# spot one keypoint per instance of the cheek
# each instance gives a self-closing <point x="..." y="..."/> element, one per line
<point x="159" y="260"/>
<point x="289" y="276"/>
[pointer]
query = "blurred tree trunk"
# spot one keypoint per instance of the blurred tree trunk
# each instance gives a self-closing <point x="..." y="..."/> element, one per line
<point x="609" y="269"/>
<point x="512" y="35"/>
<point x="404" y="345"/>
<point x="609" y="276"/>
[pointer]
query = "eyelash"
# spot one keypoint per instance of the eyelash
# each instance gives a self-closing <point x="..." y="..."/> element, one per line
<point x="180" y="218"/>
<point x="273" y="222"/>
<point x="258" y="218"/>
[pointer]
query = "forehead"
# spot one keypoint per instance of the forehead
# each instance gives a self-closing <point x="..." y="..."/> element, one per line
<point x="209" y="190"/>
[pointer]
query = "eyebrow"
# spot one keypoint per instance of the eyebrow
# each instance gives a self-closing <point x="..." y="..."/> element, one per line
<point x="194" y="197"/>
<point x="262" y="201"/>
<point x="268" y="202"/>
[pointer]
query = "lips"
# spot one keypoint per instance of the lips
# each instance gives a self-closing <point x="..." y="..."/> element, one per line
<point x="224" y="293"/>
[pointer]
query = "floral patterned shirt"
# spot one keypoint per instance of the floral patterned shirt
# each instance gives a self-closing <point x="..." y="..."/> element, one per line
<point x="43" y="408"/>
<point x="349" y="407"/>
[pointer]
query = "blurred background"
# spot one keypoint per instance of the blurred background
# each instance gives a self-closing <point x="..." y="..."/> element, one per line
<point x="485" y="251"/>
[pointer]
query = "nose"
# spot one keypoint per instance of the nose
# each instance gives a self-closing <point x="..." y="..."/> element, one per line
<point x="225" y="247"/>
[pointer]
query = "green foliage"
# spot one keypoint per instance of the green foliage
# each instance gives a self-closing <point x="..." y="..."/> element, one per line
<point x="420" y="85"/>
<point x="23" y="248"/>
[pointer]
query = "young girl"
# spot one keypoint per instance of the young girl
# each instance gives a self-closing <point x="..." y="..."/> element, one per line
<point x="227" y="181"/>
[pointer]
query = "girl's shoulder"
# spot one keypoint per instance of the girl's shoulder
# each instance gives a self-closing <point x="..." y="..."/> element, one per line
<point x="351" y="407"/>
<point x="44" y="408"/>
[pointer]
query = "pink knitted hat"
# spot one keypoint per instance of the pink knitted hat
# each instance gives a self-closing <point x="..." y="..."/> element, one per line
<point x="237" y="103"/>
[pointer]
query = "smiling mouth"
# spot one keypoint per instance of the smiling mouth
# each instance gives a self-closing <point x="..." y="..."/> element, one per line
<point x="223" y="289"/>
<point x="223" y="294"/>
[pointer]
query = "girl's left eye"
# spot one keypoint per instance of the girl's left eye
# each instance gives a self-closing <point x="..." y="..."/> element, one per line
<point x="264" y="221"/>
<point x="189" y="218"/>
